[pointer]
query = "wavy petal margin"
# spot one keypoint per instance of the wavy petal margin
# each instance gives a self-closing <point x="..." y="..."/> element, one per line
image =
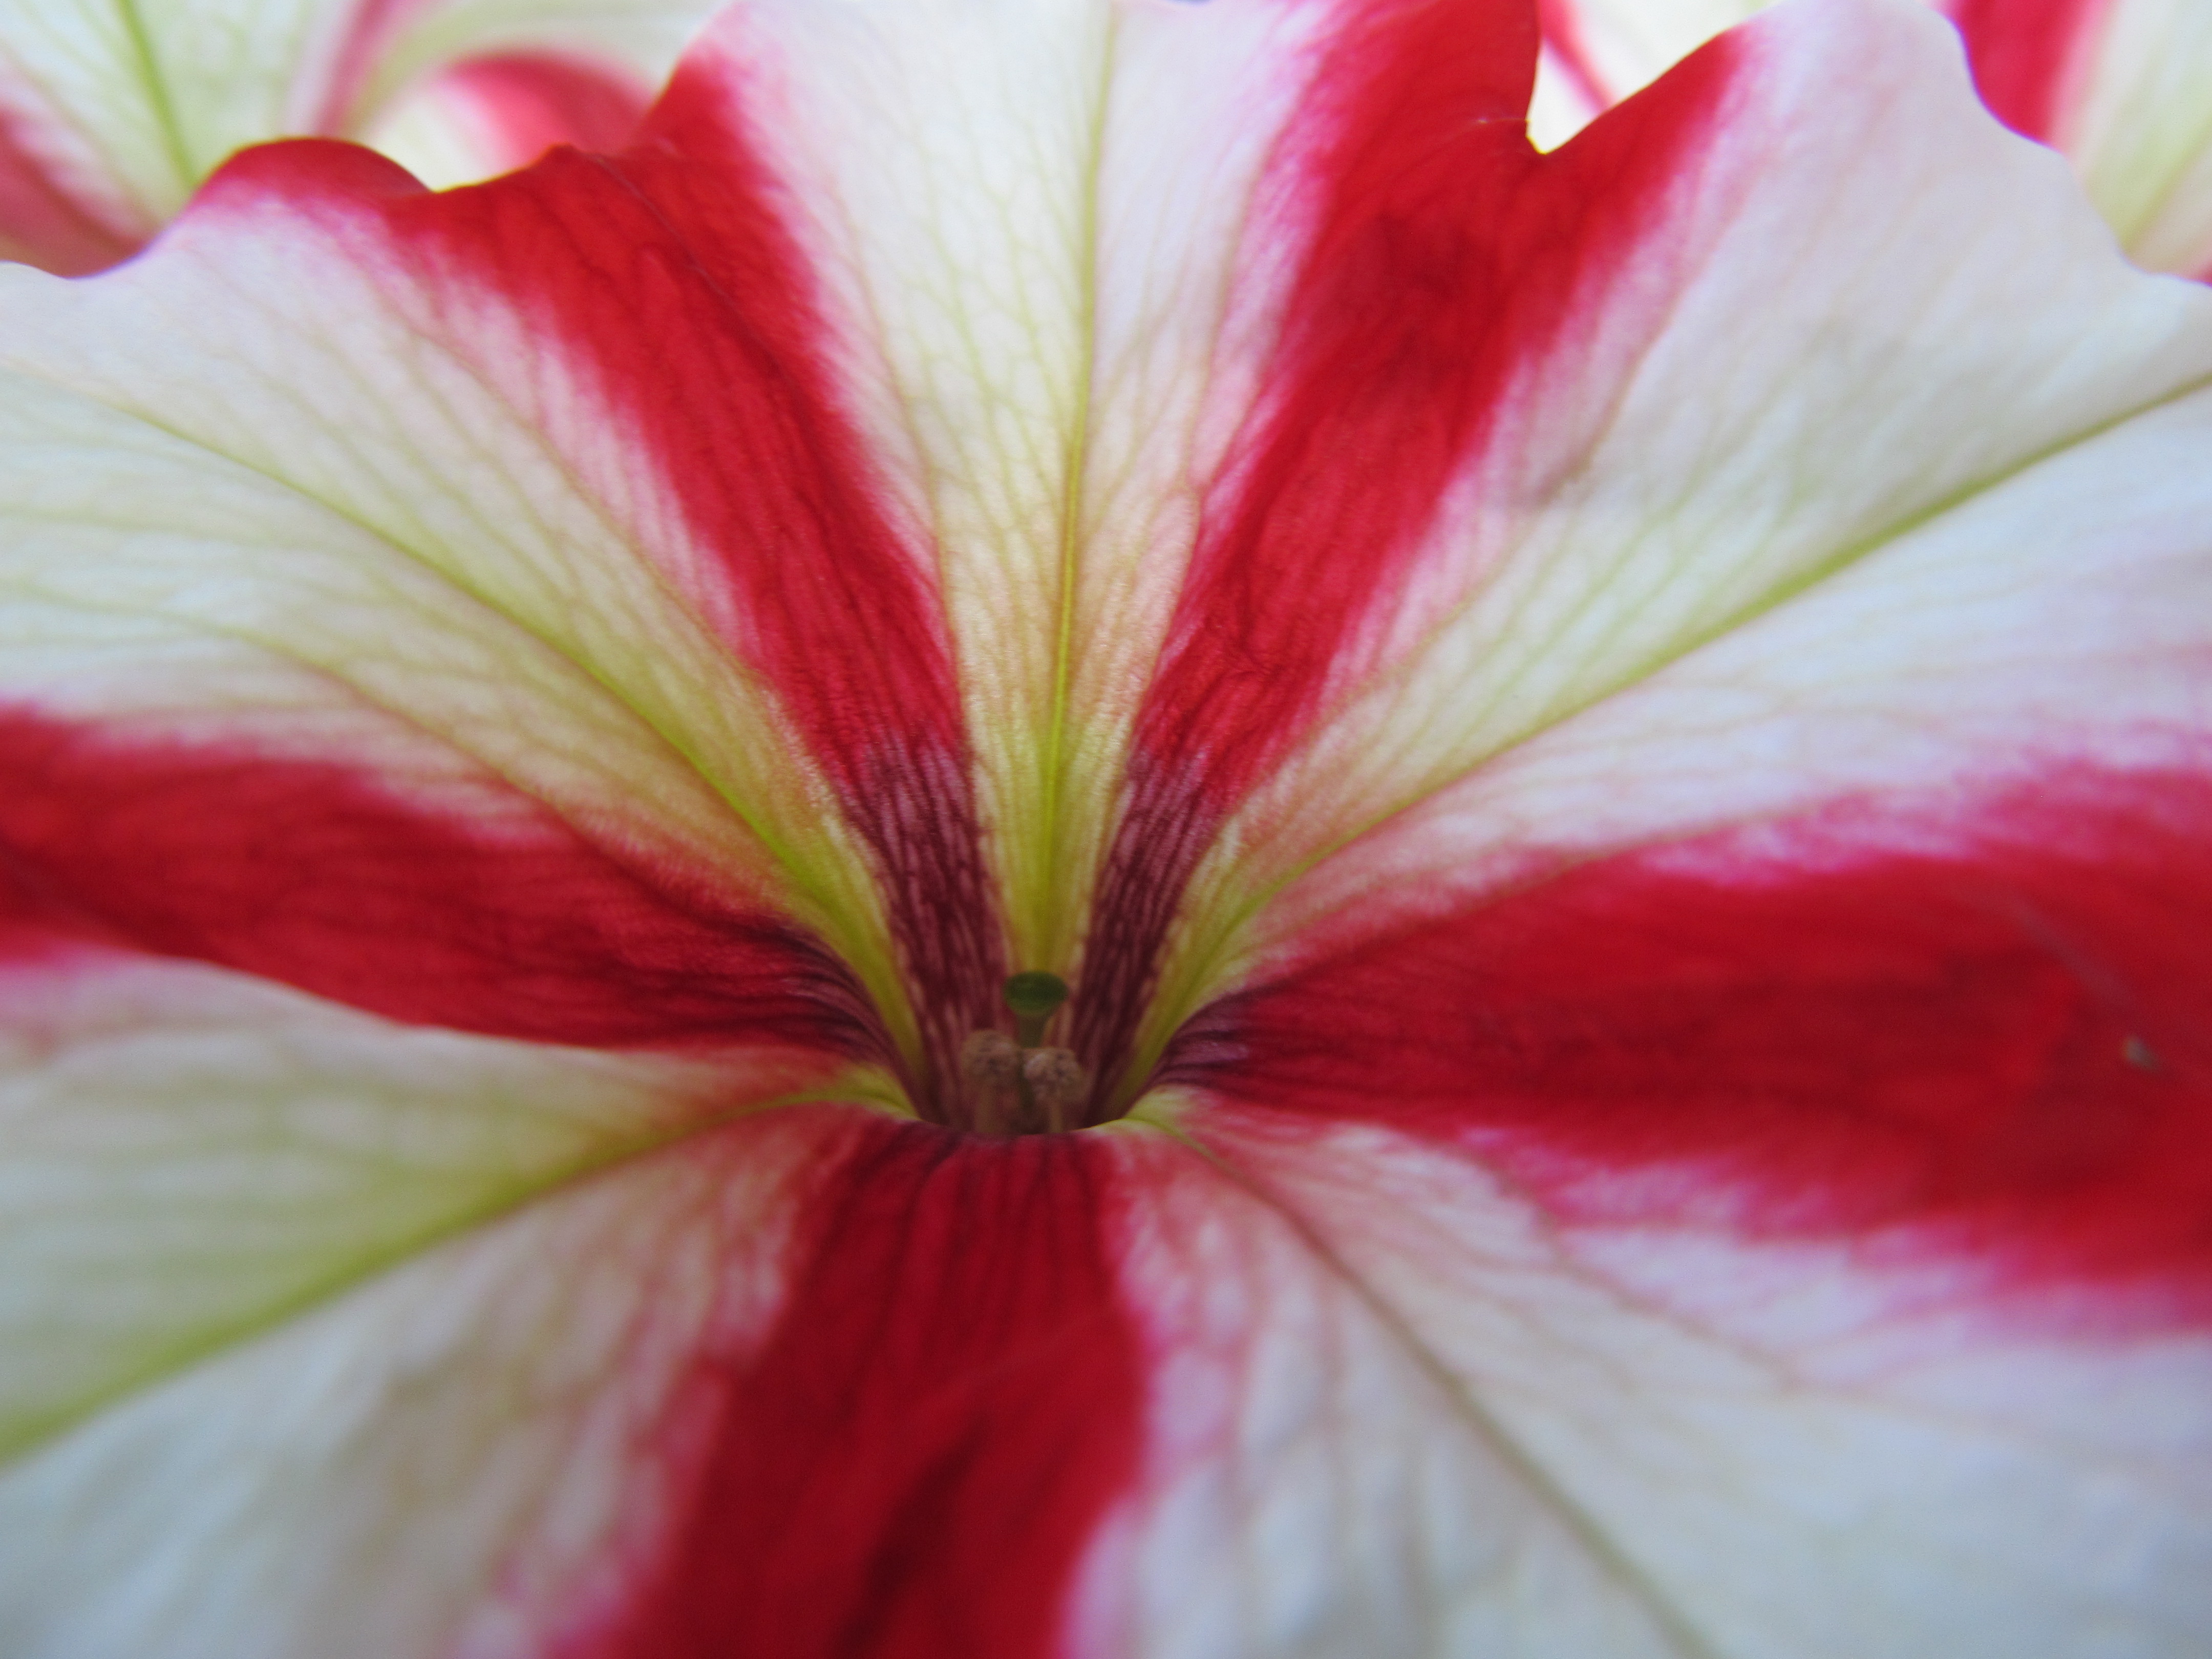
<point x="2122" y="86"/>
<point x="112" y="112"/>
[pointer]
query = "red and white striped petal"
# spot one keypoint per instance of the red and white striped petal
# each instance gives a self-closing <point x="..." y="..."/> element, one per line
<point x="812" y="1382"/>
<point x="574" y="608"/>
<point x="2122" y="86"/>
<point x="293" y="509"/>
<point x="189" y="1156"/>
<point x="1054" y="240"/>
<point x="2048" y="637"/>
<point x="470" y="1453"/>
<point x="1724" y="399"/>
<point x="1832" y="1054"/>
<point x="110" y="116"/>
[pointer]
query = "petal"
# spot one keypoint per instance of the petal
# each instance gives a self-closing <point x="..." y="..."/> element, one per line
<point x="2032" y="63"/>
<point x="2029" y="57"/>
<point x="490" y="916"/>
<point x="2139" y="129"/>
<point x="113" y="114"/>
<point x="2047" y="635"/>
<point x="1736" y="382"/>
<point x="950" y="1400"/>
<point x="1597" y="53"/>
<point x="1310" y="1483"/>
<point x="1978" y="1024"/>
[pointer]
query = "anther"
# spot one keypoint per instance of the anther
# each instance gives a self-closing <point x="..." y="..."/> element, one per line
<point x="991" y="1059"/>
<point x="1018" y="1085"/>
<point x="1055" y="1079"/>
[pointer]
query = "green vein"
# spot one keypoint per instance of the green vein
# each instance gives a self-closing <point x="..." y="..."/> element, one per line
<point x="376" y="1260"/>
<point x="1074" y="475"/>
<point x="804" y="881"/>
<point x="157" y="92"/>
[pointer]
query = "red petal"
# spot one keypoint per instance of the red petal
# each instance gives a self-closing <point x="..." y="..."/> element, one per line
<point x="1994" y="1043"/>
<point x="1443" y="255"/>
<point x="914" y="1463"/>
<point x="313" y="876"/>
<point x="2026" y="55"/>
<point x="668" y="276"/>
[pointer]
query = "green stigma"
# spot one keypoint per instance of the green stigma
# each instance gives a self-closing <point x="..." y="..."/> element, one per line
<point x="1034" y="998"/>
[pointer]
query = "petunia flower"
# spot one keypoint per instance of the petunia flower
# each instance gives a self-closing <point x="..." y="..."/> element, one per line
<point x="2124" y="88"/>
<point x="1616" y="746"/>
<point x="111" y="111"/>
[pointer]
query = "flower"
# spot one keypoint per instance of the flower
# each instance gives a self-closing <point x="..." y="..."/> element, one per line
<point x="1614" y="745"/>
<point x="111" y="114"/>
<point x="2124" y="88"/>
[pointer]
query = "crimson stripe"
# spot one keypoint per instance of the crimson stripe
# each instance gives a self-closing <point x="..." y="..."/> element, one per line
<point x="670" y="277"/>
<point x="1443" y="256"/>
<point x="2008" y="1047"/>
<point x="1393" y="343"/>
<point x="309" y="874"/>
<point x="2025" y="55"/>
<point x="534" y="101"/>
<point x="914" y="1464"/>
<point x="40" y="221"/>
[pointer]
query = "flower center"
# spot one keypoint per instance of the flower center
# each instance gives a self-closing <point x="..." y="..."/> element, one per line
<point x="1017" y="1085"/>
<point x="1028" y="1055"/>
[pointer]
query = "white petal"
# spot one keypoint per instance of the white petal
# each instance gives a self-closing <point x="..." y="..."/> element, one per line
<point x="1313" y="1485"/>
<point x="2141" y="133"/>
<point x="1786" y="1449"/>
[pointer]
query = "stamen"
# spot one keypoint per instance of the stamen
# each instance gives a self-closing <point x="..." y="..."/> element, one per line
<point x="993" y="1064"/>
<point x="1054" y="1079"/>
<point x="991" y="1059"/>
<point x="1019" y="1086"/>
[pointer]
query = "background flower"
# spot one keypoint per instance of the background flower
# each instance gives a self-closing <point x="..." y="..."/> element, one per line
<point x="2122" y="86"/>
<point x="1615" y="744"/>
<point x="111" y="111"/>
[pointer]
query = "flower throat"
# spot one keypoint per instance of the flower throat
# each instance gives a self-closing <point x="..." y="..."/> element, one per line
<point x="1017" y="1084"/>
